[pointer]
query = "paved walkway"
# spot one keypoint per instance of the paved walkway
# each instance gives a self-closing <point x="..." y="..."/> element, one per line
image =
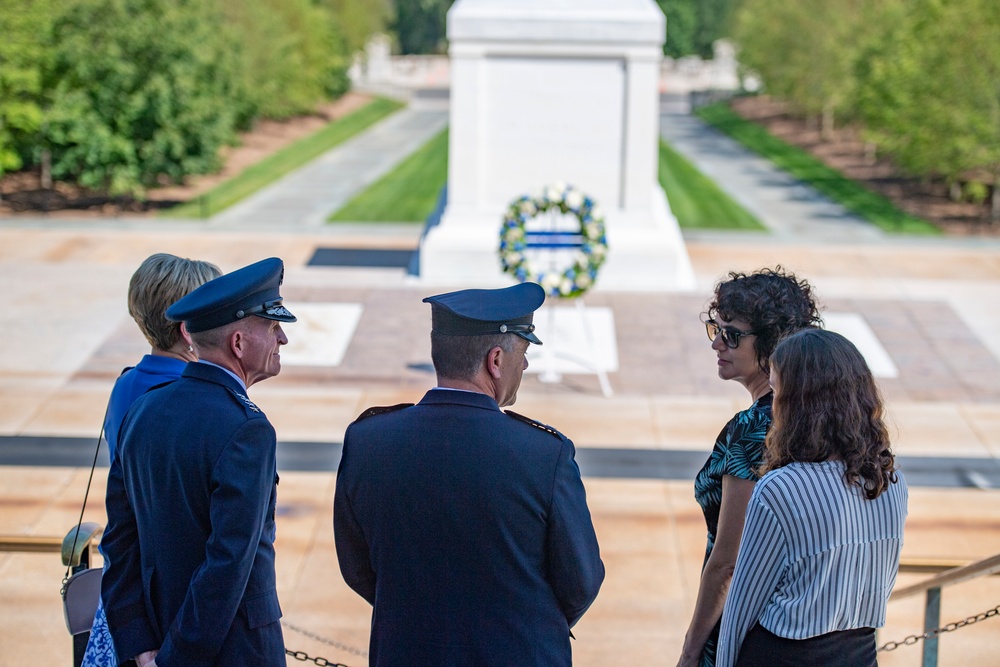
<point x="784" y="205"/>
<point x="934" y="306"/>
<point x="307" y="196"/>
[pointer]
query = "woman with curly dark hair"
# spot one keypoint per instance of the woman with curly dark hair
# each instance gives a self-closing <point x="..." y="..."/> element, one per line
<point x="746" y="318"/>
<point x="824" y="526"/>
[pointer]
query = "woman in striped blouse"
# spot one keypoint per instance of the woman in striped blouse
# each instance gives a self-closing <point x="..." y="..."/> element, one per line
<point x="824" y="525"/>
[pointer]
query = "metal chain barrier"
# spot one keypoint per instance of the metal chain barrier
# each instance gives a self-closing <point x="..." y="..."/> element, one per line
<point x="305" y="657"/>
<point x="931" y="634"/>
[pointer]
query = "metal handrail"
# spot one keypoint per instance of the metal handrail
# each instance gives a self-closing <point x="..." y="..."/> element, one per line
<point x="952" y="576"/>
<point x="31" y="544"/>
<point x="930" y="565"/>
<point x="72" y="547"/>
<point x="932" y="588"/>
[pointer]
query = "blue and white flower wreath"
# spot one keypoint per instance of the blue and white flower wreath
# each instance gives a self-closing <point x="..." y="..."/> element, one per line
<point x="588" y="255"/>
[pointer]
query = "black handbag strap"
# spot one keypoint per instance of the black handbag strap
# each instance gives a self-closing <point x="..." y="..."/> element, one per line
<point x="86" y="494"/>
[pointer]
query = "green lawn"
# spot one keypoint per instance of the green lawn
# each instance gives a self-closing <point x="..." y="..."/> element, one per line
<point x="408" y="193"/>
<point x="287" y="159"/>
<point x="696" y="200"/>
<point x="803" y="166"/>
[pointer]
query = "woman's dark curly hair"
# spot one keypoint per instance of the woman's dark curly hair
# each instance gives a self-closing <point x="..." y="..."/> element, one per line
<point x="827" y="406"/>
<point x="772" y="301"/>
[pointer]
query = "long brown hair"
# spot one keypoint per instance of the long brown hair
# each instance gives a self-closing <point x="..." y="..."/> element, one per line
<point x="828" y="406"/>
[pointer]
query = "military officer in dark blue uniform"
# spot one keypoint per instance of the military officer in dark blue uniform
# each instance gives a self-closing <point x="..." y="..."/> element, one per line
<point x="466" y="527"/>
<point x="191" y="494"/>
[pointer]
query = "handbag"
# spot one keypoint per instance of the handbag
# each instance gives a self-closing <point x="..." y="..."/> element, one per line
<point x="80" y="595"/>
<point x="81" y="591"/>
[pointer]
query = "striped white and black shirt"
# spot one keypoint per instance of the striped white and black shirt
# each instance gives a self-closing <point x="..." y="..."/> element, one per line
<point x="816" y="556"/>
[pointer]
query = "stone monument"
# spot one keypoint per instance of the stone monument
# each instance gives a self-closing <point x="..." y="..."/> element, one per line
<point x="555" y="91"/>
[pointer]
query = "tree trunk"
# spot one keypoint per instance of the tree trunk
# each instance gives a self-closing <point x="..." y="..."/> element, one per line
<point x="955" y="191"/>
<point x="826" y="130"/>
<point x="871" y="153"/>
<point x="995" y="197"/>
<point x="46" y="169"/>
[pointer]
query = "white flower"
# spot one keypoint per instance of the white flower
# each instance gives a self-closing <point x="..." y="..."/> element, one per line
<point x="528" y="207"/>
<point x="596" y="213"/>
<point x="513" y="234"/>
<point x="565" y="286"/>
<point x="574" y="199"/>
<point x="550" y="281"/>
<point x="583" y="280"/>
<point x="553" y="193"/>
<point x="512" y="258"/>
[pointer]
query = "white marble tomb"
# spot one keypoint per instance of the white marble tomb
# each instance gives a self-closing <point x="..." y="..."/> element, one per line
<point x="555" y="91"/>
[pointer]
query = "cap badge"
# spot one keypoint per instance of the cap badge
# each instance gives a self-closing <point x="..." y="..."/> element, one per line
<point x="279" y="311"/>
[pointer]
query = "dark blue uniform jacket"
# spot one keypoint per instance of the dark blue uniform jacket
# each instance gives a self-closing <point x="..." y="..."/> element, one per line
<point x="190" y="532"/>
<point x="468" y="531"/>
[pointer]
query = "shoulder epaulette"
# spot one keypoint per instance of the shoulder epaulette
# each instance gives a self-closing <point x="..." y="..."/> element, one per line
<point x="245" y="401"/>
<point x="382" y="409"/>
<point x="536" y="424"/>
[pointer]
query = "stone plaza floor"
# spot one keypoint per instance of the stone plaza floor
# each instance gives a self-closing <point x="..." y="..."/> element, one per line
<point x="934" y="306"/>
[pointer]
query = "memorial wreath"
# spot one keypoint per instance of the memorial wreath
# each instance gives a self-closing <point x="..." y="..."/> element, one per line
<point x="588" y="252"/>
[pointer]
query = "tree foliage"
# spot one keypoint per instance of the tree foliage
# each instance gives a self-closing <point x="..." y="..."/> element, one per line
<point x="713" y="22"/>
<point x="23" y="26"/>
<point x="806" y="52"/>
<point x="360" y="19"/>
<point x="693" y="26"/>
<point x="420" y="25"/>
<point x="682" y="20"/>
<point x="125" y="94"/>
<point x="930" y="87"/>
<point x="922" y="76"/>
<point x="292" y="55"/>
<point x="141" y="90"/>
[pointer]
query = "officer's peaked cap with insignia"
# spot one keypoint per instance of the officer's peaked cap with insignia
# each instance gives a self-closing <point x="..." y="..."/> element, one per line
<point x="252" y="290"/>
<point x="482" y="312"/>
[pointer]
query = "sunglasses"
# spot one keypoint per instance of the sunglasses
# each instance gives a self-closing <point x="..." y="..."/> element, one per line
<point x="730" y="335"/>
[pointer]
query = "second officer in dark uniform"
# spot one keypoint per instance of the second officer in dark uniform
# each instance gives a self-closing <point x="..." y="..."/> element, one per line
<point x="467" y="527"/>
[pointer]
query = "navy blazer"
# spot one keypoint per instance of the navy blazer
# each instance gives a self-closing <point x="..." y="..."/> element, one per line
<point x="190" y="533"/>
<point x="468" y="531"/>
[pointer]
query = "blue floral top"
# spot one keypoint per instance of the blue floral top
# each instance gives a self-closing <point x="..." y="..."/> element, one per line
<point x="738" y="451"/>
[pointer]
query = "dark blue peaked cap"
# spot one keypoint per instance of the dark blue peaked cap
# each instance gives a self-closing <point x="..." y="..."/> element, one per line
<point x="252" y="290"/>
<point x="483" y="312"/>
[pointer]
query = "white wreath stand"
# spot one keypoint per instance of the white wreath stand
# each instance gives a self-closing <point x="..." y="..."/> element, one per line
<point x="548" y="352"/>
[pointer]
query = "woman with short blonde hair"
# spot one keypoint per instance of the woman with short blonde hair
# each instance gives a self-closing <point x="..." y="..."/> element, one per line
<point x="160" y="280"/>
